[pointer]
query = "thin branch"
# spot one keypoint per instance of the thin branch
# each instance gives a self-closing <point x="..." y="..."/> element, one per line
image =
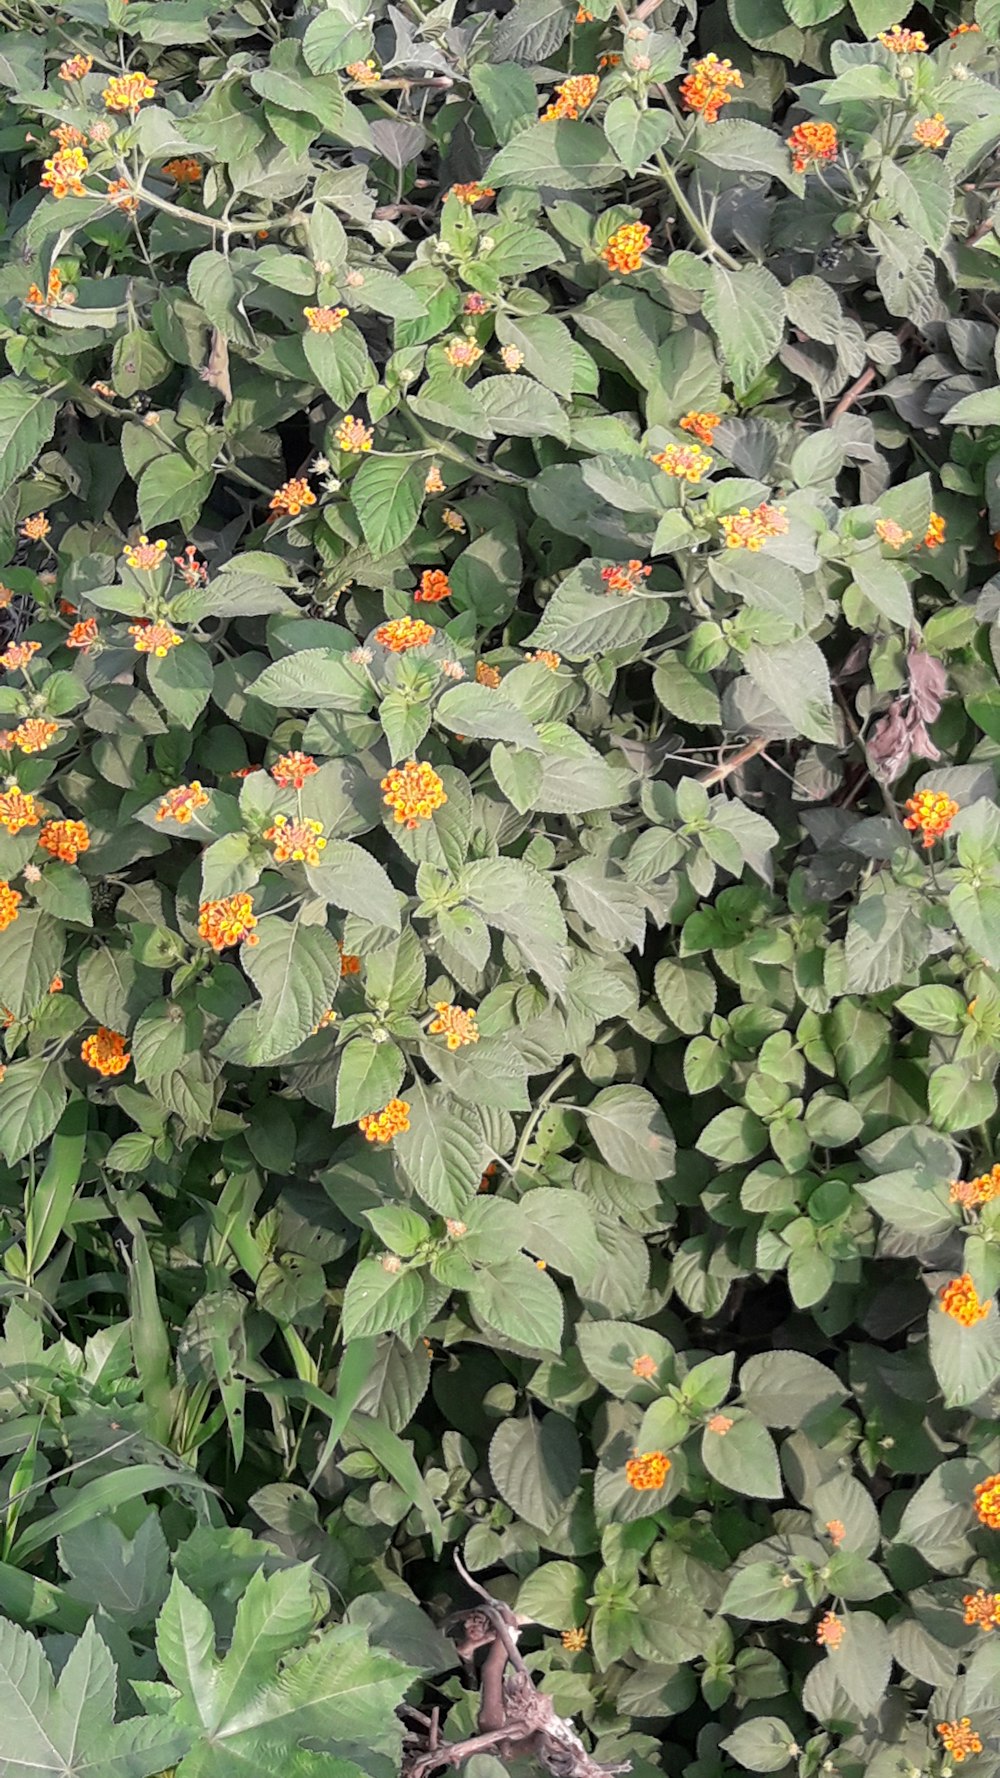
<point x="735" y="760"/>
<point x="850" y="396"/>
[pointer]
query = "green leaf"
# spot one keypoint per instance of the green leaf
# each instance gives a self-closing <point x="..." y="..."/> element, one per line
<point x="442" y="1153"/>
<point x="636" y="135"/>
<point x="296" y="971"/>
<point x="966" y="1360"/>
<point x="631" y="1132"/>
<point x="333" y="39"/>
<point x="764" y="1744"/>
<point x="923" y="191"/>
<point x="27" y="422"/>
<point x="315" y="679"/>
<point x="743" y="1457"/>
<point x="387" y="494"/>
<point x="520" y="1304"/>
<point x="521" y="408"/>
<point x="560" y="156"/>
<point x="370" y="1074"/>
<point x="939" y="1518"/>
<point x="739" y="146"/>
<point x="863" y="1661"/>
<point x="31" y="1104"/>
<point x="182" y="681"/>
<point x="351" y="878"/>
<point x="794" y="677"/>
<point x="507" y="93"/>
<point x="31" y="953"/>
<point x="746" y="311"/>
<point x="339" y="361"/>
<point x="378" y="1300"/>
<point x="554" y="1595"/>
<point x="535" y="1463"/>
<point x="485" y="713"/>
<point x="785" y="1388"/>
<point x="172" y="488"/>
<point x="69" y="1729"/>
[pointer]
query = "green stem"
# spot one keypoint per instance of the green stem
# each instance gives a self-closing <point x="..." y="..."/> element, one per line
<point x="532" y="1122"/>
<point x="693" y="220"/>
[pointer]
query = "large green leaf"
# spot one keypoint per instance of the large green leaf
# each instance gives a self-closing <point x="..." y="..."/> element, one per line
<point x="27" y="422"/>
<point x="561" y="156"/>
<point x="296" y="971"/>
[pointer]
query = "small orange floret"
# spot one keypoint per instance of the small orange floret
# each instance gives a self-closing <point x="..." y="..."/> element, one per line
<point x="625" y="248"/>
<point x="935" y="534"/>
<point x="83" y="635"/>
<point x="292" y="769"/>
<point x="18" y="809"/>
<point x="982" y="1609"/>
<point x="63" y="174"/>
<point x="65" y="839"/>
<point x="183" y="171"/>
<point x="227" y="922"/>
<point x="574" y="1641"/>
<point x="36" y="528"/>
<point x="434" y="586"/>
<point x="34" y="734"/>
<point x="325" y="320"/>
<point x="930" y="813"/>
<point x="706" y="88"/>
<point x="9" y="899"/>
<point x="572" y="96"/>
<point x="382" y="1126"/>
<point x="487" y="675"/>
<point x="627" y="577"/>
<point x="472" y="193"/>
<point x="105" y="1052"/>
<point x="156" y="639"/>
<point x="17" y="656"/>
<point x="644" y="1366"/>
<point x="987" y="1499"/>
<point x="810" y="143"/>
<point x="545" y="657"/>
<point x="751" y="530"/>
<point x="959" y="1736"/>
<point x="891" y="533"/>
<point x="403" y="633"/>
<point x="931" y="132"/>
<point x="970" y="1193"/>
<point x="831" y="1630"/>
<point x="456" y="1024"/>
<point x="126" y="92"/>
<point x="292" y="496"/>
<point x="688" y="462"/>
<point x="413" y="792"/>
<point x="353" y="435"/>
<point x="75" y="67"/>
<point x="648" y="1471"/>
<point x="182" y="803"/>
<point x="903" y="42"/>
<point x="961" y="1300"/>
<point x="298" y="842"/>
<point x="701" y="425"/>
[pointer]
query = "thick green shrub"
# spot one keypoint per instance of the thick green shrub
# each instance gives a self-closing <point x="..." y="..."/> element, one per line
<point x="500" y="903"/>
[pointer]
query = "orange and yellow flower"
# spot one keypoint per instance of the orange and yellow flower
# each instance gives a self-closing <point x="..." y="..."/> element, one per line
<point x="230" y="921"/>
<point x="182" y="803"/>
<point x="382" y="1126"/>
<point x="627" y="577"/>
<point x="810" y="143"/>
<point x="888" y="531"/>
<point x="413" y="792"/>
<point x="935" y="534"/>
<point x="648" y="1471"/>
<point x="17" y="656"/>
<point x="434" y="586"/>
<point x="349" y="963"/>
<point x="572" y="96"/>
<point x="39" y="299"/>
<point x="751" y="530"/>
<point x="959" y="1737"/>
<point x="836" y="1531"/>
<point x="9" y="899"/>
<point x="183" y="171"/>
<point x="987" y="1500"/>
<point x="403" y="633"/>
<point x="462" y="354"/>
<point x="365" y="73"/>
<point x="105" y="1052"/>
<point x="292" y="496"/>
<point x="66" y="135"/>
<point x="433" y="483"/>
<point x="512" y="358"/>
<point x="983" y="1610"/>
<point x="487" y="675"/>
<point x="36" y="528"/>
<point x="831" y="1630"/>
<point x="472" y="193"/>
<point x="545" y="657"/>
<point x="144" y="556"/>
<point x="961" y="1300"/>
<point x="63" y="174"/>
<point x="18" y="809"/>
<point x="705" y="89"/>
<point x="574" y="1641"/>
<point x="65" y="839"/>
<point x="353" y="435"/>
<point x="75" y="67"/>
<point x="625" y="248"/>
<point x="903" y="42"/>
<point x="970" y="1193"/>
<point x="456" y="1024"/>
<point x="156" y="639"/>
<point x="930" y="813"/>
<point x="688" y="462"/>
<point x="297" y="842"/>
<point x="701" y="425"/>
<point x="325" y="320"/>
<point x="644" y="1366"/>
<point x="123" y="196"/>
<point x="34" y="734"/>
<point x="83" y="635"/>
<point x="126" y="92"/>
<point x="291" y="770"/>
<point x="931" y="132"/>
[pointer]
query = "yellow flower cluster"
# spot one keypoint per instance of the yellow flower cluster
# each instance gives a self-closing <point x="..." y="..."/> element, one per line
<point x="382" y="1126"/>
<point x="456" y="1024"/>
<point x="413" y="792"/>
<point x="961" y="1300"/>
<point x="230" y="921"/>
<point x="930" y="813"/>
<point x="298" y="841"/>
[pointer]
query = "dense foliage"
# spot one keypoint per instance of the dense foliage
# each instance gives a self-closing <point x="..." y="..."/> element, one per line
<point x="500" y="902"/>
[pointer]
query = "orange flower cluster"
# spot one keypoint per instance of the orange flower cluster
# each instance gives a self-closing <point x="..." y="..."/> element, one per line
<point x="970" y="1193"/>
<point x="36" y="528"/>
<point x="292" y="496"/>
<point x="298" y="841"/>
<point x="105" y="1052"/>
<point x="34" y="734"/>
<point x="17" y="656"/>
<point x="626" y="247"/>
<point x="227" y="922"/>
<point x="413" y="792"/>
<point x="353" y="435"/>
<point x="39" y="299"/>
<point x="122" y="196"/>
<point x="433" y="483"/>
<point x="719" y="1424"/>
<point x="66" y="135"/>
<point x="382" y="1126"/>
<point x="487" y="675"/>
<point x="810" y="143"/>
<point x="475" y="304"/>
<point x="183" y="171"/>
<point x="688" y="462"/>
<point x="462" y="354"/>
<point x="181" y="803"/>
<point x="126" y="92"/>
<point x="903" y="42"/>
<point x="546" y="657"/>
<point x="961" y="1300"/>
<point x="572" y="97"/>
<point x="291" y="770"/>
<point x="644" y="1366"/>
<point x="325" y="320"/>
<point x="960" y="30"/>
<point x="434" y="586"/>
<point x="626" y="578"/>
<point x="452" y="519"/>
<point x="144" y="556"/>
<point x="959" y="1736"/>
<point x="75" y="67"/>
<point x="987" y="1498"/>
<point x="931" y="813"/>
<point x="63" y="174"/>
<point x="935" y="533"/>
<point x="982" y="1609"/>
<point x="401" y="634"/>
<point x="650" y="1470"/>
<point x="456" y="1024"/>
<point x="65" y="839"/>
<point x="18" y="809"/>
<point x="836" y="1531"/>
<point x="349" y="963"/>
<point x="472" y="193"/>
<point x="706" y="88"/>
<point x="365" y="73"/>
<point x="575" y="1641"/>
<point x="192" y="571"/>
<point x="83" y="635"/>
<point x="931" y="132"/>
<point x="751" y="530"/>
<point x="156" y="639"/>
<point x="512" y="358"/>
<point x="891" y="533"/>
<point x="9" y="899"/>
<point x="830" y="1631"/>
<point x="701" y="425"/>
